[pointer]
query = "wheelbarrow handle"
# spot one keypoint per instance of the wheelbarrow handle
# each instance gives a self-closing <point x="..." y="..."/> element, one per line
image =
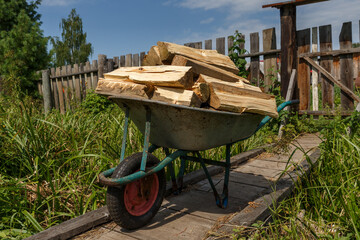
<point x="279" y="108"/>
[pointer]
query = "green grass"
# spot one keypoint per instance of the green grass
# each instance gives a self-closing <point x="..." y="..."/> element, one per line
<point x="325" y="204"/>
<point x="49" y="164"/>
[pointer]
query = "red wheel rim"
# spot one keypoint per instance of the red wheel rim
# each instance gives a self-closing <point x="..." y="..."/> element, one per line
<point x="140" y="195"/>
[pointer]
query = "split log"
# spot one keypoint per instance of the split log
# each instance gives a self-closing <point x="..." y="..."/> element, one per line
<point x="176" y="96"/>
<point x="166" y="76"/>
<point x="152" y="58"/>
<point x="118" y="87"/>
<point x="202" y="90"/>
<point x="226" y="86"/>
<point x="233" y="98"/>
<point x="208" y="69"/>
<point x="212" y="57"/>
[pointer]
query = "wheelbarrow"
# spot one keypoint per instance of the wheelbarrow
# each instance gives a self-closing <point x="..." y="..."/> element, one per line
<point x="136" y="187"/>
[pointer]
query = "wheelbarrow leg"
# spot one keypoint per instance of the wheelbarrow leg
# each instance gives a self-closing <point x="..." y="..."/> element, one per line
<point x="126" y="124"/>
<point x="181" y="173"/>
<point x="172" y="173"/>
<point x="225" y="193"/>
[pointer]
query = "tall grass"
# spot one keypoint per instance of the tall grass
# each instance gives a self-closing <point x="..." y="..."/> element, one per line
<point x="326" y="203"/>
<point x="49" y="164"/>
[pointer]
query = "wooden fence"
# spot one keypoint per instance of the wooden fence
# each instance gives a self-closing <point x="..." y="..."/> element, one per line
<point x="69" y="84"/>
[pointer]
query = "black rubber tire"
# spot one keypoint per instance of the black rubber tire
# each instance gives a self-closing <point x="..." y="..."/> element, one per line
<point x="115" y="195"/>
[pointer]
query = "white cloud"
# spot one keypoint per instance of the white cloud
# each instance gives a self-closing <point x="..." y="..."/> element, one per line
<point x="248" y="16"/>
<point x="207" y="21"/>
<point x="59" y="2"/>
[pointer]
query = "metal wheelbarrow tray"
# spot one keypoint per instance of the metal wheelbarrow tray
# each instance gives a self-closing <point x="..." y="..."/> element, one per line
<point x="136" y="187"/>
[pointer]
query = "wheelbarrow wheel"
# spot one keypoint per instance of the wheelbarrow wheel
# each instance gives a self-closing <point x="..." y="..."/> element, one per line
<point x="133" y="205"/>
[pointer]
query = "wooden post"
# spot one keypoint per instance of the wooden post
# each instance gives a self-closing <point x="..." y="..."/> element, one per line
<point x="303" y="73"/>
<point x="220" y="45"/>
<point x="269" y="43"/>
<point x="101" y="65"/>
<point x="46" y="89"/>
<point x="326" y="63"/>
<point x="288" y="45"/>
<point x="254" y="61"/>
<point x="208" y="44"/>
<point x="346" y="66"/>
<point x="314" y="71"/>
<point x="87" y="76"/>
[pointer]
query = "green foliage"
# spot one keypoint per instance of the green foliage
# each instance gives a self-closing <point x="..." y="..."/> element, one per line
<point x="356" y="45"/>
<point x="72" y="48"/>
<point x="236" y="50"/>
<point x="96" y="103"/>
<point x="22" y="45"/>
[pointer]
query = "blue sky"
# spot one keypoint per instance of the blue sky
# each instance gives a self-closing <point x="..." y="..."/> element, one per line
<point x="120" y="27"/>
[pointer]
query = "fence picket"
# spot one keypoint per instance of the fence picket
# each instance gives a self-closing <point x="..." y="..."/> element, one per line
<point x="208" y="44"/>
<point x="314" y="72"/>
<point x="60" y="90"/>
<point x="270" y="61"/>
<point x="94" y="73"/>
<point x="346" y="66"/>
<point x="326" y="63"/>
<point x="220" y="45"/>
<point x="303" y="72"/>
<point x="254" y="61"/>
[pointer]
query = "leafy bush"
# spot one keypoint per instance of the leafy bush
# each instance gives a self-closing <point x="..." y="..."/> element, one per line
<point x="96" y="103"/>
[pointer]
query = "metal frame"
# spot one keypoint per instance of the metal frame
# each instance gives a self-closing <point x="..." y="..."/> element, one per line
<point x="221" y="200"/>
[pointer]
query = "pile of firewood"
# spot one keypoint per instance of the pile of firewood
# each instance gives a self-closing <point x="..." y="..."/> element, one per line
<point x="182" y="75"/>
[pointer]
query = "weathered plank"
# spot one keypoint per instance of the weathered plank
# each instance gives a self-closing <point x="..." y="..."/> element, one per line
<point x="122" y="61"/>
<point x="116" y="60"/>
<point x="325" y="36"/>
<point x="82" y="79"/>
<point x="101" y="64"/>
<point x="303" y="73"/>
<point x="254" y="61"/>
<point x="71" y="91"/>
<point x="94" y="74"/>
<point x="74" y="226"/>
<point x="77" y="84"/>
<point x="54" y="90"/>
<point x="208" y="44"/>
<point x="128" y="60"/>
<point x="142" y="56"/>
<point x="46" y="89"/>
<point x="314" y="72"/>
<point x="288" y="45"/>
<point x="220" y="45"/>
<point x="87" y="76"/>
<point x="346" y="66"/>
<point x="230" y="42"/>
<point x="270" y="65"/>
<point x="60" y="91"/>
<point x="66" y="88"/>
<point x="135" y="60"/>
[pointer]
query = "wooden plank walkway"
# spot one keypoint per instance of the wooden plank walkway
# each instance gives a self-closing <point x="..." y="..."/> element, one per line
<point x="194" y="215"/>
